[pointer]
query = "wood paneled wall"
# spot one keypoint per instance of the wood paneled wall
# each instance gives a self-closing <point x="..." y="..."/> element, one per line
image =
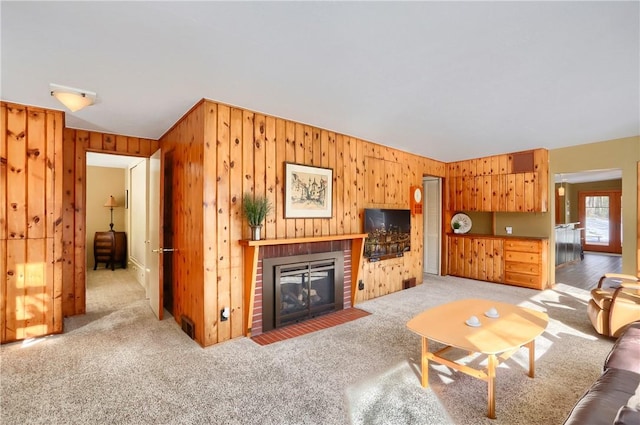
<point x="30" y="221"/>
<point x="76" y="145"/>
<point x="193" y="198"/>
<point x="223" y="152"/>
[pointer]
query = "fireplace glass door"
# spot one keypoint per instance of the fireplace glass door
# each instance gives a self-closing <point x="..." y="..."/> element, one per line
<point x="304" y="290"/>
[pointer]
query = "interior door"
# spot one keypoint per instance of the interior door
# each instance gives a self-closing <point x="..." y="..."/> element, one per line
<point x="154" y="254"/>
<point x="601" y="217"/>
<point x="432" y="211"/>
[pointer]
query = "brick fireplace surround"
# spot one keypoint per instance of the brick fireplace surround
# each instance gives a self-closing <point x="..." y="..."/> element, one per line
<point x="288" y="250"/>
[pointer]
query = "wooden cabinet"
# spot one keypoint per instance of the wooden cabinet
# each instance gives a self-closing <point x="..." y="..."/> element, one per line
<point x="504" y="183"/>
<point x="525" y="262"/>
<point x="476" y="257"/>
<point x="514" y="261"/>
<point x="110" y="248"/>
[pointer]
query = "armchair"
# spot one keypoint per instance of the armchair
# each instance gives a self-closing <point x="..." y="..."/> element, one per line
<point x="612" y="308"/>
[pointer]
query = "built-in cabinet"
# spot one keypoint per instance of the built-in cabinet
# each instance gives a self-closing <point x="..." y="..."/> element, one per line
<point x="525" y="262"/>
<point x="516" y="182"/>
<point x="510" y="260"/>
<point x="476" y="257"/>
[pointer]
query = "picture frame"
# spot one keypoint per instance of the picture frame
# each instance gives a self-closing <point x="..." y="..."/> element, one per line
<point x="308" y="191"/>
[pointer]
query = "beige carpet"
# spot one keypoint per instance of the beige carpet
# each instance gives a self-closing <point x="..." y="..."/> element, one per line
<point x="118" y="365"/>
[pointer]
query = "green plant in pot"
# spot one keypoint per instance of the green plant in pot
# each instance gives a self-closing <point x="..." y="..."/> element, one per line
<point x="456" y="226"/>
<point x="255" y="208"/>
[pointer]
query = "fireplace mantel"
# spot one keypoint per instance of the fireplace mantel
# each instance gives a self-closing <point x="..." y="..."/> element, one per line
<point x="251" y="250"/>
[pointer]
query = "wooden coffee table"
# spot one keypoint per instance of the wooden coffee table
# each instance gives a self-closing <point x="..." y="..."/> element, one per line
<point x="498" y="338"/>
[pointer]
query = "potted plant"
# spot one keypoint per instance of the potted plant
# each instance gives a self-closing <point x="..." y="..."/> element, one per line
<point x="456" y="226"/>
<point x="255" y="208"/>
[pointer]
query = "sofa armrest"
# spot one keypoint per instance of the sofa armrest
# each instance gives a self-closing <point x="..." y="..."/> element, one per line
<point x="626" y="351"/>
<point x="627" y="415"/>
<point x="625" y="278"/>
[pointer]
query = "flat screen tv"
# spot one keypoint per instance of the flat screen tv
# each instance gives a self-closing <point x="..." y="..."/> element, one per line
<point x="389" y="233"/>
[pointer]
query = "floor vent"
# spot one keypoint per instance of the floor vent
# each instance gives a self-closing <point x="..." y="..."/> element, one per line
<point x="409" y="283"/>
<point x="188" y="327"/>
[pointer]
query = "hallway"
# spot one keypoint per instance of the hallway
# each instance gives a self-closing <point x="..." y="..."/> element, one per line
<point x="107" y="292"/>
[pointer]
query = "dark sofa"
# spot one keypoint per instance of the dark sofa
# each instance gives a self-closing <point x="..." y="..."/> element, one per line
<point x="615" y="396"/>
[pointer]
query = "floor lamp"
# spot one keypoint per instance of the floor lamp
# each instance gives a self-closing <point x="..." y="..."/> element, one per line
<point x="111" y="203"/>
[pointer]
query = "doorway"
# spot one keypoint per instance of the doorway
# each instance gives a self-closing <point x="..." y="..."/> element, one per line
<point x="601" y="215"/>
<point x="109" y="176"/>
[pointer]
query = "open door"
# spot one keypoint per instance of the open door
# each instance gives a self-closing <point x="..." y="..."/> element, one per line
<point x="154" y="254"/>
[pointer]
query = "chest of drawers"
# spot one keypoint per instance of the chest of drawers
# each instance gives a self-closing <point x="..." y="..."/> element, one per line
<point x="110" y="248"/>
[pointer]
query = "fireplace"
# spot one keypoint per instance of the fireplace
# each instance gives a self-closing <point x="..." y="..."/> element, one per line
<point x="301" y="287"/>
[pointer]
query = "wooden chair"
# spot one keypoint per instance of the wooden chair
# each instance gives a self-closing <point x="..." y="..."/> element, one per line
<point x="612" y="308"/>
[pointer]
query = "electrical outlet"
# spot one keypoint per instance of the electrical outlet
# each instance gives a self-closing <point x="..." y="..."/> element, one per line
<point x="224" y="314"/>
<point x="509" y="230"/>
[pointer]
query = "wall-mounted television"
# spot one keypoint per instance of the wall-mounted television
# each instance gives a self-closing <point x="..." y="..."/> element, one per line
<point x="389" y="233"/>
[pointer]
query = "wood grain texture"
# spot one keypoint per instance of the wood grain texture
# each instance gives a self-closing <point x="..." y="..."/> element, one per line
<point x="510" y="260"/>
<point x="30" y="222"/>
<point x="193" y="141"/>
<point x="217" y="157"/>
<point x="259" y="145"/>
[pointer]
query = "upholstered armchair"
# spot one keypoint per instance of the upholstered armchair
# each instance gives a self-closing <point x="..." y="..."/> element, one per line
<point x="614" y="303"/>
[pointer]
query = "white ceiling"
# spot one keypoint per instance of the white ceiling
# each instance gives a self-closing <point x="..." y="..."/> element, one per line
<point x="447" y="80"/>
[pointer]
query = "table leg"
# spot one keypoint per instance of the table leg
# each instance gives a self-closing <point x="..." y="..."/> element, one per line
<point x="425" y="363"/>
<point x="491" y="383"/>
<point x="532" y="358"/>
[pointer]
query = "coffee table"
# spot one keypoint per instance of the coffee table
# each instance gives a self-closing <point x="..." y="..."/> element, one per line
<point x="499" y="338"/>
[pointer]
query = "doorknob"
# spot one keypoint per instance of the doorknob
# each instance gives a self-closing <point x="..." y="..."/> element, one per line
<point x="162" y="250"/>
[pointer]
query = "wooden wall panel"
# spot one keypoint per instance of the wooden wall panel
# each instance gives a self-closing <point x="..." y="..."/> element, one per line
<point x="300" y="159"/>
<point x="223" y="190"/>
<point x="3" y="181"/>
<point x="236" y="221"/>
<point x="354" y="205"/>
<point x="270" y="174"/>
<point x="290" y="156"/>
<point x="282" y="146"/>
<point x="79" y="211"/>
<point x="16" y="172"/>
<point x="247" y="159"/>
<point x="193" y="143"/>
<point x="30" y="221"/>
<point x="339" y="191"/>
<point x="36" y="169"/>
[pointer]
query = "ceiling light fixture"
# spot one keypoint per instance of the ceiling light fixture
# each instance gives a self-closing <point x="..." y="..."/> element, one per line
<point x="561" y="188"/>
<point x="73" y="99"/>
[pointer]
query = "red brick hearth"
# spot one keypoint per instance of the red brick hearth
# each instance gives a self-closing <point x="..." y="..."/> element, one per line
<point x="311" y="325"/>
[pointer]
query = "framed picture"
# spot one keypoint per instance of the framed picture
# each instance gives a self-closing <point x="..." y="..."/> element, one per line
<point x="308" y="191"/>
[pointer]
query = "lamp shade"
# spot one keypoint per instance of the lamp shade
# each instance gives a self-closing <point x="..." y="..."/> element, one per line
<point x="561" y="191"/>
<point x="111" y="202"/>
<point x="73" y="99"/>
